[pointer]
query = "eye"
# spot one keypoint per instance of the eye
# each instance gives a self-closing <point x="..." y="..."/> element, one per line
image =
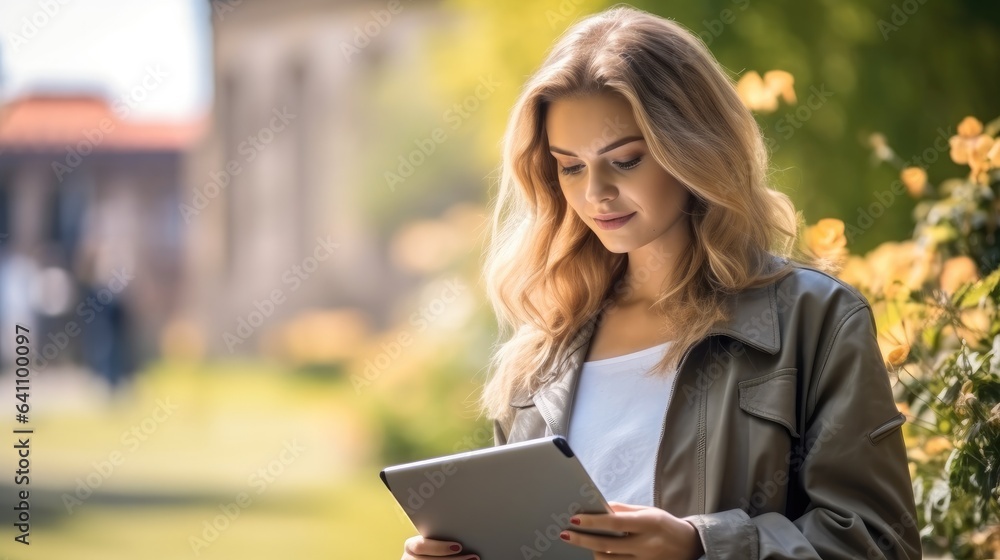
<point x="629" y="164"/>
<point x="625" y="166"/>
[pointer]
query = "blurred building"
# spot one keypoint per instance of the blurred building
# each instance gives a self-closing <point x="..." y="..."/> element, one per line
<point x="241" y="227"/>
<point x="87" y="203"/>
<point x="277" y="179"/>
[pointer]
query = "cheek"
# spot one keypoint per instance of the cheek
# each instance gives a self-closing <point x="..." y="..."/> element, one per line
<point x="573" y="199"/>
<point x="665" y="191"/>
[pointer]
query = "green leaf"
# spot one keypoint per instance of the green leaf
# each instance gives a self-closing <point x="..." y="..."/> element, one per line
<point x="979" y="290"/>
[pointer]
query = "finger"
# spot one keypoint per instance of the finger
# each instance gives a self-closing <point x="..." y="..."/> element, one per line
<point x="618" y="506"/>
<point x="615" y="545"/>
<point x="618" y="521"/>
<point x="420" y="546"/>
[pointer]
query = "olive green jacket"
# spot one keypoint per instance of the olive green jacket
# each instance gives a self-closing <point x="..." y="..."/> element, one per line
<point x="781" y="438"/>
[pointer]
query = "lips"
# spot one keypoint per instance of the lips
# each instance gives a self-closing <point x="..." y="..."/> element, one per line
<point x="616" y="221"/>
<point x="612" y="216"/>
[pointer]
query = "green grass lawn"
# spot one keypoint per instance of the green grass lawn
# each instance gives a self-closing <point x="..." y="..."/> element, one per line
<point x="140" y="478"/>
<point x="345" y="521"/>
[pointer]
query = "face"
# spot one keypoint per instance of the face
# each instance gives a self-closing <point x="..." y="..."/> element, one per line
<point x="608" y="176"/>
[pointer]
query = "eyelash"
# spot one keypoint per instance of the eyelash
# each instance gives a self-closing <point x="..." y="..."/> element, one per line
<point x="625" y="166"/>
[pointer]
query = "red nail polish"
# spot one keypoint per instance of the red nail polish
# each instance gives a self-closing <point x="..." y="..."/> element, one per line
<point x="574" y="520"/>
<point x="455" y="547"/>
<point x="564" y="536"/>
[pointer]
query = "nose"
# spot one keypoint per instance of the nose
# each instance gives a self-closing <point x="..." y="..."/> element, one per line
<point x="600" y="189"/>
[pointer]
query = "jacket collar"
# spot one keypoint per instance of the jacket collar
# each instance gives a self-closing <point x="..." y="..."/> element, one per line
<point x="753" y="321"/>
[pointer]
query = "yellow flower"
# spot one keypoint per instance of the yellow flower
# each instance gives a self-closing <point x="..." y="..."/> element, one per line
<point x="970" y="150"/>
<point x="905" y="262"/>
<point x="895" y="333"/>
<point x="994" y="154"/>
<point x="958" y="271"/>
<point x="761" y="94"/>
<point x="750" y="88"/>
<point x="937" y="445"/>
<point x="856" y="273"/>
<point x="994" y="418"/>
<point x="974" y="323"/>
<point x="970" y="146"/>
<point x="898" y="355"/>
<point x="915" y="178"/>
<point x="987" y="539"/>
<point x="970" y="127"/>
<point x="781" y="83"/>
<point x="826" y="239"/>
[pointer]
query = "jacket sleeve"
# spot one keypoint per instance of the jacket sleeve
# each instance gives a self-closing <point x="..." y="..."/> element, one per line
<point x="498" y="436"/>
<point x="853" y="471"/>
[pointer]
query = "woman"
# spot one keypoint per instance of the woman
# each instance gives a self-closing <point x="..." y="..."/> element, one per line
<point x="729" y="401"/>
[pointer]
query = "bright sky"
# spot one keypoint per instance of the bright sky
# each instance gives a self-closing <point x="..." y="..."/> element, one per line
<point x="155" y="54"/>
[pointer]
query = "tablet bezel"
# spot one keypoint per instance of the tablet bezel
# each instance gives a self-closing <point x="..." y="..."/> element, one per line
<point x="575" y="470"/>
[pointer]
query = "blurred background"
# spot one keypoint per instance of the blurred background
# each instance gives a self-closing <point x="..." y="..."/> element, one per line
<point x="245" y="236"/>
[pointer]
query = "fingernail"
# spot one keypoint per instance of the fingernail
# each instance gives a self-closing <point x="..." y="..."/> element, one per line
<point x="574" y="520"/>
<point x="564" y="536"/>
<point x="456" y="547"/>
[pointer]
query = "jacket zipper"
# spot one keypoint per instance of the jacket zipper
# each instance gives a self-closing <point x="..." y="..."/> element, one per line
<point x="663" y="427"/>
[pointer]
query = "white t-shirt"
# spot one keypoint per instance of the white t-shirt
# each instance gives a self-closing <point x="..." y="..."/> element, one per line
<point x="615" y="424"/>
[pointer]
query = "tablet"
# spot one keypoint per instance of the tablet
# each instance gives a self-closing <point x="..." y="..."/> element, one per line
<point x="502" y="502"/>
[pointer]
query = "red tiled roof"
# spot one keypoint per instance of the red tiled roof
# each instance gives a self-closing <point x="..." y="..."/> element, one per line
<point x="53" y="122"/>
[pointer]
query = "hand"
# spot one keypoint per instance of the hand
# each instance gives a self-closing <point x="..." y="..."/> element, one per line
<point x="653" y="534"/>
<point x="419" y="548"/>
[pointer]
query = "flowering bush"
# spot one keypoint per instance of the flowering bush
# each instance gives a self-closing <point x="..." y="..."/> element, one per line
<point x="936" y="299"/>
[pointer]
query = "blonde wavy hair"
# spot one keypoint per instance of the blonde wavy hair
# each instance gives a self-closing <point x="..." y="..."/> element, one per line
<point x="547" y="273"/>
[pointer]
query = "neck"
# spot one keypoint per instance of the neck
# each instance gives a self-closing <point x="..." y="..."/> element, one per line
<point x="652" y="268"/>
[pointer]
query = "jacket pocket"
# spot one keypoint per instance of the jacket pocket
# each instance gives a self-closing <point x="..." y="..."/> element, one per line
<point x="772" y="397"/>
<point x="886" y="428"/>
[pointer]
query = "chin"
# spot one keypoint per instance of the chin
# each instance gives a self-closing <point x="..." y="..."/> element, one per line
<point x="618" y="245"/>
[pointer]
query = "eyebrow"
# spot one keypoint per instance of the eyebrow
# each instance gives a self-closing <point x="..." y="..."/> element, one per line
<point x="608" y="148"/>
